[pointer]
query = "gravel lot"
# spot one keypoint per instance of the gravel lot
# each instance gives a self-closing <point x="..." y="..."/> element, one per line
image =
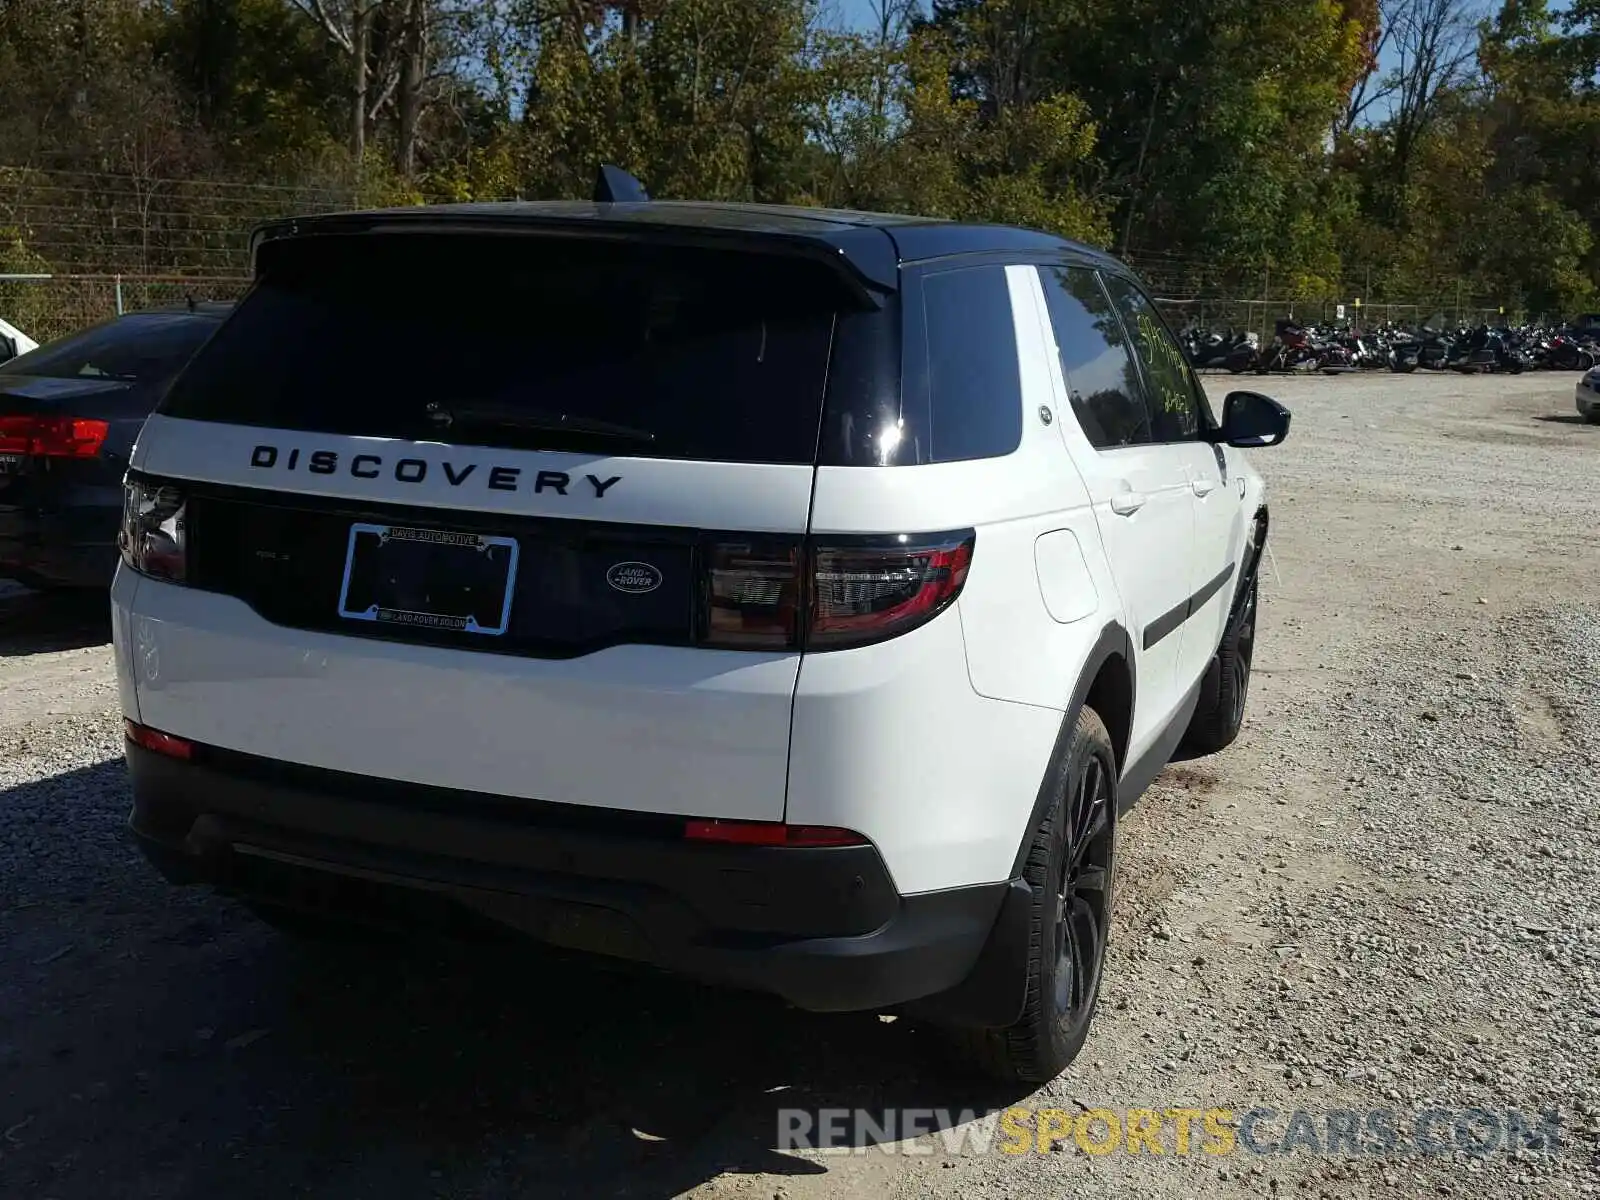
<point x="1387" y="895"/>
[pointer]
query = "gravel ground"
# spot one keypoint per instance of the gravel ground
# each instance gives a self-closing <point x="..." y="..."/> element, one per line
<point x="1383" y="897"/>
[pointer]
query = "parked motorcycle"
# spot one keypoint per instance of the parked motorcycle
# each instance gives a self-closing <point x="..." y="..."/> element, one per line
<point x="1487" y="350"/>
<point x="1564" y="352"/>
<point x="1291" y="349"/>
<point x="1234" y="353"/>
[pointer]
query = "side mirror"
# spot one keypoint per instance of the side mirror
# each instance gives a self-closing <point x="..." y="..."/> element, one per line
<point x="1251" y="419"/>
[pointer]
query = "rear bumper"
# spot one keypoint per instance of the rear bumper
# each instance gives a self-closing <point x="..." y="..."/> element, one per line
<point x="67" y="547"/>
<point x="821" y="927"/>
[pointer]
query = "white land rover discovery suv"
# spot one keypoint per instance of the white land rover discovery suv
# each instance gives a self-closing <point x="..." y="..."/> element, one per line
<point x="787" y="598"/>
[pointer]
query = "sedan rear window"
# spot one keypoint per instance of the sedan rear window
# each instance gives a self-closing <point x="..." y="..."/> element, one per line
<point x="143" y="348"/>
<point x="527" y="341"/>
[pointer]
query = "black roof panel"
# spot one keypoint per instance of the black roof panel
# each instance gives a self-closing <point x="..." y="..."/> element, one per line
<point x="873" y="244"/>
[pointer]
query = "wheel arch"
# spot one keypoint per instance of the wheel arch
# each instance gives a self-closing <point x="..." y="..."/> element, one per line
<point x="1108" y="683"/>
<point x="993" y="994"/>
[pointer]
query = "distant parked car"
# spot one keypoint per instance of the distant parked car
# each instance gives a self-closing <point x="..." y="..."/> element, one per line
<point x="1589" y="396"/>
<point x="14" y="342"/>
<point x="69" y="414"/>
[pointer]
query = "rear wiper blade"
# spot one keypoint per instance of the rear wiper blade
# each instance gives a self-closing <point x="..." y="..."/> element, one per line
<point x="508" y="416"/>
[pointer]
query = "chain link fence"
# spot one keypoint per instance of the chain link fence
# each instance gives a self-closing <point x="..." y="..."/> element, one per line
<point x="79" y="247"/>
<point x="46" y="307"/>
<point x="1217" y="298"/>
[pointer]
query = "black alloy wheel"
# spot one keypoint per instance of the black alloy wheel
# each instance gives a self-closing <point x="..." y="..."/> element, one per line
<point x="1070" y="871"/>
<point x="1239" y="661"/>
<point x="1083" y="894"/>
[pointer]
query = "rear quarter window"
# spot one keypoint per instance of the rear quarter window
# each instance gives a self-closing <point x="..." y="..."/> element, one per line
<point x="961" y="361"/>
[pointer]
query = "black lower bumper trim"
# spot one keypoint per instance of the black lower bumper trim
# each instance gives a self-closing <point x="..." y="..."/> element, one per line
<point x="821" y="927"/>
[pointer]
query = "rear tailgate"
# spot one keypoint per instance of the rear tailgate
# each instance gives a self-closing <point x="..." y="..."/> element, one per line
<point x="351" y="528"/>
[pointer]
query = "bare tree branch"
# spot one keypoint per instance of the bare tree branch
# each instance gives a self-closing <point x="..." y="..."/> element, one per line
<point x="318" y="12"/>
<point x="1437" y="44"/>
<point x="1376" y="85"/>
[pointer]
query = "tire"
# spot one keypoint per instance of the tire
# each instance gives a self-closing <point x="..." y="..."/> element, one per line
<point x="1071" y="867"/>
<point x="1585" y="360"/>
<point x="1592" y="416"/>
<point x="1226" y="686"/>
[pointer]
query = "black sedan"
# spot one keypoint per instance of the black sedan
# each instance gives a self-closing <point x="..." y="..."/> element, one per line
<point x="69" y="414"/>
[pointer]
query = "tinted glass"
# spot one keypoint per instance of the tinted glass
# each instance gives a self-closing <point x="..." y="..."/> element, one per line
<point x="1096" y="362"/>
<point x="1171" y="388"/>
<point x="143" y="348"/>
<point x="719" y="355"/>
<point x="869" y="420"/>
<point x="974" y="383"/>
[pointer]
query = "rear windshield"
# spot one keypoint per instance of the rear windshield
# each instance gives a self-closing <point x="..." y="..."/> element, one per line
<point x="713" y="354"/>
<point x="144" y="348"/>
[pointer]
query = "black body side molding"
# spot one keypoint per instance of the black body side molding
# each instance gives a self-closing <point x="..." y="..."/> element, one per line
<point x="1139" y="775"/>
<point x="1168" y="622"/>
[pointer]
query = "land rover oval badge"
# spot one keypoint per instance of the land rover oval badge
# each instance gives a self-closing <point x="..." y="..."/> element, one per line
<point x="635" y="578"/>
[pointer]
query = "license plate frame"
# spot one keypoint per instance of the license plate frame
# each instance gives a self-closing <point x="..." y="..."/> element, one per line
<point x="427" y="545"/>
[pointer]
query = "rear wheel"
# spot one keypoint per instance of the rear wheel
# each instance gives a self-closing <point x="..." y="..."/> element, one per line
<point x="1070" y="869"/>
<point x="1223" y="692"/>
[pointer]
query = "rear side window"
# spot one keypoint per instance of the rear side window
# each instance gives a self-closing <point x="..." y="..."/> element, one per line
<point x="1096" y="362"/>
<point x="676" y="352"/>
<point x="965" y="357"/>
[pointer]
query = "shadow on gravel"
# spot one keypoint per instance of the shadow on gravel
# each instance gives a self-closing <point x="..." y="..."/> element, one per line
<point x="160" y="1037"/>
<point x="1571" y="418"/>
<point x="39" y="622"/>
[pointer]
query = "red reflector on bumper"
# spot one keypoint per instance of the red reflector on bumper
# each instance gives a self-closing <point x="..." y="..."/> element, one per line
<point x="769" y="833"/>
<point x="156" y="741"/>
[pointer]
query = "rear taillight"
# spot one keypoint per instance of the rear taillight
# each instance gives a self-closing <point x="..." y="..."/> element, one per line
<point x="871" y="590"/>
<point x="52" y="437"/>
<point x="828" y="593"/>
<point x="154" y="536"/>
<point x="751" y="595"/>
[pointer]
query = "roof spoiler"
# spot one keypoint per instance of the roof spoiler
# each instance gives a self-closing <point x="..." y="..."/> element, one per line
<point x="613" y="185"/>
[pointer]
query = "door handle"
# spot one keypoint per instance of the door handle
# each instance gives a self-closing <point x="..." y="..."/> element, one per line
<point x="1203" y="486"/>
<point x="1127" y="502"/>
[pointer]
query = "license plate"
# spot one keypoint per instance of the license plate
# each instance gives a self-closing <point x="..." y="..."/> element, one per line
<point x="428" y="579"/>
<point x="10" y="463"/>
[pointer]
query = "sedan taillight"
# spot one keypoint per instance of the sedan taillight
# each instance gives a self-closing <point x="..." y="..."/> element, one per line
<point x="52" y="436"/>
